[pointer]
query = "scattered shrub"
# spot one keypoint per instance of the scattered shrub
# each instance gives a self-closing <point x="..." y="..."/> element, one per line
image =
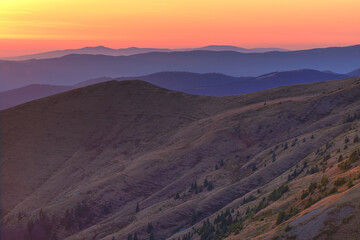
<point x="247" y="200"/>
<point x="304" y="194"/>
<point x="333" y="190"/>
<point x="324" y="181"/>
<point x="312" y="187"/>
<point x="278" y="192"/>
<point x="280" y="218"/>
<point x="339" y="181"/>
<point x="350" y="183"/>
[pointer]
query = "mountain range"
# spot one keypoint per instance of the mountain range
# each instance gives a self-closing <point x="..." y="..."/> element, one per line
<point x="135" y="50"/>
<point x="120" y="159"/>
<point x="210" y="84"/>
<point x="74" y="68"/>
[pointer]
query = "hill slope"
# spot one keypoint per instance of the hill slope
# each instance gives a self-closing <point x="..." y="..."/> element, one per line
<point x="355" y="73"/>
<point x="106" y="160"/>
<point x="28" y="93"/>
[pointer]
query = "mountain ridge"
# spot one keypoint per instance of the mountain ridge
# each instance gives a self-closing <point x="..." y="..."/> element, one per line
<point x="102" y="50"/>
<point x="72" y="69"/>
<point x="208" y="84"/>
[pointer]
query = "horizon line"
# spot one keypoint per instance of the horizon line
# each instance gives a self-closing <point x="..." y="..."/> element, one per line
<point x="176" y="48"/>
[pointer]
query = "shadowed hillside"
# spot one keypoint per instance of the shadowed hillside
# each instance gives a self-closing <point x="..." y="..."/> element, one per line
<point x="120" y="158"/>
<point x="208" y="84"/>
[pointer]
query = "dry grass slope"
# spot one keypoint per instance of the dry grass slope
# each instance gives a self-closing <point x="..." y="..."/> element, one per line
<point x="106" y="160"/>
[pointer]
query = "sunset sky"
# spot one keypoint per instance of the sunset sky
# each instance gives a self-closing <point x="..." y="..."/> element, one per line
<point x="29" y="26"/>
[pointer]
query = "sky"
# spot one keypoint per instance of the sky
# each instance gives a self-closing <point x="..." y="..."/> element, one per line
<point x="30" y="26"/>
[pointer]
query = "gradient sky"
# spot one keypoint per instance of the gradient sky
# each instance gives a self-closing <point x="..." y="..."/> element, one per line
<point x="28" y="26"/>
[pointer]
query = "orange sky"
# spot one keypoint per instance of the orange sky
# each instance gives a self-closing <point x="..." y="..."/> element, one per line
<point x="28" y="26"/>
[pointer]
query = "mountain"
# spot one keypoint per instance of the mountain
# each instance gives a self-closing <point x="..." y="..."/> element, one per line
<point x="355" y="73"/>
<point x="187" y="81"/>
<point x="101" y="50"/>
<point x="238" y="49"/>
<point x="214" y="84"/>
<point x="119" y="158"/>
<point x="31" y="92"/>
<point x="72" y="69"/>
<point x="209" y="84"/>
<point x="255" y="84"/>
<point x="28" y="93"/>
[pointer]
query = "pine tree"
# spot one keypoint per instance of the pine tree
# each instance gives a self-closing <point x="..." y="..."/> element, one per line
<point x="149" y="228"/>
<point x="177" y="196"/>
<point x="193" y="217"/>
<point x="324" y="181"/>
<point x="30" y="226"/>
<point x="152" y="236"/>
<point x="280" y="217"/>
<point x="286" y="146"/>
<point x="254" y="168"/>
<point x="206" y="182"/>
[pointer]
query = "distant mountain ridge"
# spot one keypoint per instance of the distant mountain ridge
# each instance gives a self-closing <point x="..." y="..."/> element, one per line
<point x="208" y="84"/>
<point x="101" y="50"/>
<point x="355" y="73"/>
<point x="74" y="68"/>
<point x="234" y="48"/>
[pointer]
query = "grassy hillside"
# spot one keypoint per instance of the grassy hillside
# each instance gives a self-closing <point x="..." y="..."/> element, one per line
<point x="120" y="158"/>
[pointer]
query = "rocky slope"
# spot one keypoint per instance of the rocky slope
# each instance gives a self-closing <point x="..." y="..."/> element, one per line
<point x="116" y="159"/>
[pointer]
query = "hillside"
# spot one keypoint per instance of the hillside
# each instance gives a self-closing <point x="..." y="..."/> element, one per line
<point x="207" y="84"/>
<point x="355" y="73"/>
<point x="119" y="158"/>
<point x="28" y="93"/>
<point x="75" y="68"/>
